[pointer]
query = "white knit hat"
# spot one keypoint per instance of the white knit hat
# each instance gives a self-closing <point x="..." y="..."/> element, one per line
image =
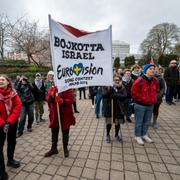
<point x="51" y="73"/>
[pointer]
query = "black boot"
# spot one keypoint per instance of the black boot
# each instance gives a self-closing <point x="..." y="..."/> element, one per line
<point x="54" y="139"/>
<point x="51" y="152"/>
<point x="108" y="128"/>
<point x="66" y="151"/>
<point x="117" y="128"/>
<point x="13" y="163"/>
<point x="65" y="142"/>
<point x="75" y="107"/>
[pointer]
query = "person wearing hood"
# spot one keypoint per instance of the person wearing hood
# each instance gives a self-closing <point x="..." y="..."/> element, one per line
<point x="171" y="76"/>
<point x="10" y="109"/>
<point x="127" y="82"/>
<point x="118" y="94"/>
<point x="144" y="92"/>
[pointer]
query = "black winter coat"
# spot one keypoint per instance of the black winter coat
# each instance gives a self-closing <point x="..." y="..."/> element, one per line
<point x="118" y="95"/>
<point x="39" y="94"/>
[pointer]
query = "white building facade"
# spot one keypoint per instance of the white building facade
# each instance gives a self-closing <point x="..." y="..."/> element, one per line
<point x="120" y="49"/>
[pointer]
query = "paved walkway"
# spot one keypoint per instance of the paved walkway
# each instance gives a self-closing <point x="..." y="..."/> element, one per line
<point x="92" y="158"/>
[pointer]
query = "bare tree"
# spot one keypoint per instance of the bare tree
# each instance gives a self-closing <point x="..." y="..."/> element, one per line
<point x="161" y="39"/>
<point x="177" y="49"/>
<point x="27" y="38"/>
<point x="4" y="33"/>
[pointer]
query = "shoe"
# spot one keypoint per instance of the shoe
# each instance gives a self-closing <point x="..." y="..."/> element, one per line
<point x="42" y="120"/>
<point x="173" y="103"/>
<point x="51" y="152"/>
<point x="29" y="130"/>
<point x="147" y="139"/>
<point x="4" y="176"/>
<point x="76" y="111"/>
<point x="155" y="125"/>
<point x="108" y="139"/>
<point x="92" y="106"/>
<point x="118" y="139"/>
<point x="19" y="134"/>
<point x="129" y="120"/>
<point x="66" y="152"/>
<point x="97" y="116"/>
<point x="169" y="103"/>
<point x="139" y="140"/>
<point x="13" y="163"/>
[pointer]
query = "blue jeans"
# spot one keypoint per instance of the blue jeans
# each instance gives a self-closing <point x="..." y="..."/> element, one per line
<point x="26" y="109"/>
<point x="98" y="103"/>
<point x="143" y="116"/>
<point x="128" y="106"/>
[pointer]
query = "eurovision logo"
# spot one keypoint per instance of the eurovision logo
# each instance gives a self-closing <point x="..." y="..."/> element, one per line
<point x="77" y="68"/>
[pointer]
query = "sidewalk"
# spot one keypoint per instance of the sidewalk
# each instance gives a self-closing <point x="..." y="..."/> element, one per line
<point x="92" y="158"/>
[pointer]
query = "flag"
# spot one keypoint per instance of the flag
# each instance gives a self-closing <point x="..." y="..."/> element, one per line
<point x="80" y="58"/>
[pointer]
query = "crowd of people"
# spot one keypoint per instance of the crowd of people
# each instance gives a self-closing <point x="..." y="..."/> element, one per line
<point x="137" y="91"/>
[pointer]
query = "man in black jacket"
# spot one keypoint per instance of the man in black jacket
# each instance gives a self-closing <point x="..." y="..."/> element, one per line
<point x="39" y="95"/>
<point x="171" y="76"/>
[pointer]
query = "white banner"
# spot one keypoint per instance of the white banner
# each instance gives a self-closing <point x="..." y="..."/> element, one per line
<point x="80" y="58"/>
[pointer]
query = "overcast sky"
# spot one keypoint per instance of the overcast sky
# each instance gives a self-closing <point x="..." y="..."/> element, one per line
<point x="131" y="20"/>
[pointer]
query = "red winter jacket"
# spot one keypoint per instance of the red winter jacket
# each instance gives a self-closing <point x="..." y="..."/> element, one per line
<point x="13" y="105"/>
<point x="145" y="91"/>
<point x="66" y="111"/>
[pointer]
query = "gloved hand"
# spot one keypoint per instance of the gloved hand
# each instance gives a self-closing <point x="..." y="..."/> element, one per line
<point x="59" y="100"/>
<point x="6" y="127"/>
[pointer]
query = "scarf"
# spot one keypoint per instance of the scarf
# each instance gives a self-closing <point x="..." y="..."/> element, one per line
<point x="6" y="96"/>
<point x="38" y="83"/>
<point x="136" y="73"/>
<point x="126" y="79"/>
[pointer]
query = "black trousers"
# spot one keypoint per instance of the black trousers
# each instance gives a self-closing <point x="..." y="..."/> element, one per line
<point x="55" y="133"/>
<point x="84" y="92"/>
<point x="11" y="143"/>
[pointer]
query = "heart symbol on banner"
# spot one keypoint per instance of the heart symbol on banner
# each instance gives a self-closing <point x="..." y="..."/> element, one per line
<point x="77" y="68"/>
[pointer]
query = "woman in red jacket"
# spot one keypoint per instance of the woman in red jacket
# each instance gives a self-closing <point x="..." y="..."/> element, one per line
<point x="65" y="101"/>
<point x="10" y="109"/>
<point x="144" y="93"/>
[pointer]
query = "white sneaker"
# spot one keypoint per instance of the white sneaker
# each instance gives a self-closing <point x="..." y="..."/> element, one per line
<point x="93" y="106"/>
<point x="139" y="140"/>
<point x="147" y="139"/>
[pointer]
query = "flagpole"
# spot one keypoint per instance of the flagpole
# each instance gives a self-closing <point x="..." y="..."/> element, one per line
<point x="58" y="113"/>
<point x="112" y="116"/>
<point x="60" y="127"/>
